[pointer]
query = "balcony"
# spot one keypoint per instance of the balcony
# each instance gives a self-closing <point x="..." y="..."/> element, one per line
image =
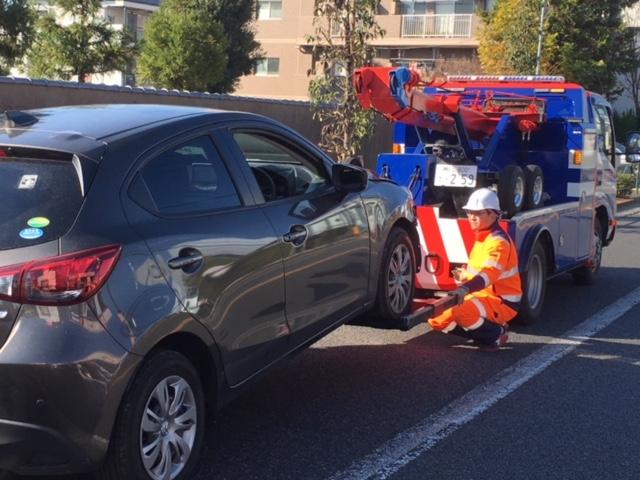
<point x="436" y="25"/>
<point x="450" y="30"/>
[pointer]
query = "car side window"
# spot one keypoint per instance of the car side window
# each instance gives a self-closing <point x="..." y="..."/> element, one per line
<point x="605" y="130"/>
<point x="189" y="178"/>
<point x="280" y="170"/>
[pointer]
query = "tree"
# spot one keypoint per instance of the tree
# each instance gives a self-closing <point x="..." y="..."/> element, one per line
<point x="17" y="26"/>
<point x="200" y="44"/>
<point x="631" y="78"/>
<point x="584" y="40"/>
<point x="185" y="47"/>
<point x="237" y="17"/>
<point x="592" y="45"/>
<point x="86" y="45"/>
<point x="343" y="30"/>
<point x="508" y="40"/>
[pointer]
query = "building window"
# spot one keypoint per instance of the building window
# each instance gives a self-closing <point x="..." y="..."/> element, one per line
<point x="270" y="9"/>
<point x="268" y="66"/>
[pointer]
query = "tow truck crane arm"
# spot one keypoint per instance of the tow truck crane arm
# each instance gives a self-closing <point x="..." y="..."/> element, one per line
<point x="399" y="95"/>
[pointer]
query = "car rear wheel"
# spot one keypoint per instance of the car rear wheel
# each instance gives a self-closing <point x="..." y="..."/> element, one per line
<point x="396" y="283"/>
<point x="159" y="430"/>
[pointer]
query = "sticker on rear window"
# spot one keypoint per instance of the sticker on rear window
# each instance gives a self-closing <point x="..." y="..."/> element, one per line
<point x="31" y="233"/>
<point x="28" y="182"/>
<point x="38" y="222"/>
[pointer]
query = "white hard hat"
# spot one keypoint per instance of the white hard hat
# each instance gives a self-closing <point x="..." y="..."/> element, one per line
<point x="483" y="199"/>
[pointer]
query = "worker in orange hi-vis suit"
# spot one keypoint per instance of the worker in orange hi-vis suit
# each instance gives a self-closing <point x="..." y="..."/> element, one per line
<point x="490" y="292"/>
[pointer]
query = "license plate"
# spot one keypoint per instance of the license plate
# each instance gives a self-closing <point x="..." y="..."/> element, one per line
<point x="455" y="175"/>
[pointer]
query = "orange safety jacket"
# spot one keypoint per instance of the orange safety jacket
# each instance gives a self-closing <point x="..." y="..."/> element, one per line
<point x="492" y="270"/>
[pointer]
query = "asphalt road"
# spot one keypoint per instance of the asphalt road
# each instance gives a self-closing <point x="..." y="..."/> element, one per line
<point x="561" y="402"/>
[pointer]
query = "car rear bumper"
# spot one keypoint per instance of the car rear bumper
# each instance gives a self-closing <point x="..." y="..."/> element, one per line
<point x="61" y="380"/>
<point x="32" y="449"/>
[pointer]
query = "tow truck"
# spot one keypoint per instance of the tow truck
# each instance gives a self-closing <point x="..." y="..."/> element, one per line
<point x="546" y="146"/>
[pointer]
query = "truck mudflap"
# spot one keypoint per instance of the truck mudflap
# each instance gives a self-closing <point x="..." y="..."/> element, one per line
<point x="424" y="308"/>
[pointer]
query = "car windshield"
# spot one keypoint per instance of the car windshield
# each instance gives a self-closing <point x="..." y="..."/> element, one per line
<point x="40" y="199"/>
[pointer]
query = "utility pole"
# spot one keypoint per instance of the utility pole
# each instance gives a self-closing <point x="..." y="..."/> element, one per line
<point x="540" y="36"/>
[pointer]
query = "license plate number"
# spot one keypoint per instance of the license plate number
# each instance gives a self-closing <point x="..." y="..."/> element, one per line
<point x="455" y="175"/>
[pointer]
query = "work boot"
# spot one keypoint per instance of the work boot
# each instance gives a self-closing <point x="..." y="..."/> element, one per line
<point x="489" y="335"/>
<point x="502" y="340"/>
<point x="461" y="332"/>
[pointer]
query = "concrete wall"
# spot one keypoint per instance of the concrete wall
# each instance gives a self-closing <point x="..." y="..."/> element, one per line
<point x="22" y="94"/>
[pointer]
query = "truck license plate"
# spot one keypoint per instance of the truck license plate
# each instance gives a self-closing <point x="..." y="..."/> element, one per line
<point x="455" y="175"/>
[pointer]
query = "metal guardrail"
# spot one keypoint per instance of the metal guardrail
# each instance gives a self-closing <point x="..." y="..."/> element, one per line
<point x="437" y="25"/>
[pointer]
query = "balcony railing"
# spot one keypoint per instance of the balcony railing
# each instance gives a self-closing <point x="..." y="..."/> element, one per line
<point x="336" y="29"/>
<point x="437" y="25"/>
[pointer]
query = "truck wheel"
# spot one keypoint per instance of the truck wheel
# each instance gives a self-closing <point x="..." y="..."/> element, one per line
<point x="586" y="274"/>
<point x="535" y="187"/>
<point x="396" y="283"/>
<point x="160" y="426"/>
<point x="534" y="286"/>
<point x="511" y="189"/>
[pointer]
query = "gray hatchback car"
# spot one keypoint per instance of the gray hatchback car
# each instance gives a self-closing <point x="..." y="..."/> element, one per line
<point x="154" y="259"/>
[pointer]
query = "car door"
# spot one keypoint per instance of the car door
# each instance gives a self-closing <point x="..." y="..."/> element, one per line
<point x="605" y="176"/>
<point x="324" y="234"/>
<point x="215" y="247"/>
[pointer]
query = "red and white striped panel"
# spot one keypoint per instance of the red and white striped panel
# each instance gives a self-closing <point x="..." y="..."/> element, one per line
<point x="450" y="240"/>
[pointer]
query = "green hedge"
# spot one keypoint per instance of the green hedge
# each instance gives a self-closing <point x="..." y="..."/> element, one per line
<point x="626" y="184"/>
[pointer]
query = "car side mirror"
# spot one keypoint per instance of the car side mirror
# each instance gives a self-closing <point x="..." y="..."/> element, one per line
<point x="633" y="147"/>
<point x="347" y="178"/>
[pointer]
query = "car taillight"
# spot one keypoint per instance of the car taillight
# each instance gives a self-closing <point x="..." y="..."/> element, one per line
<point x="61" y="280"/>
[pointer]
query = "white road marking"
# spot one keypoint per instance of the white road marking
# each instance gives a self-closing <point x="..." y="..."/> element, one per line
<point x="414" y="442"/>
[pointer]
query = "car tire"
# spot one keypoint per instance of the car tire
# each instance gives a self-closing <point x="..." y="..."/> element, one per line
<point x="534" y="196"/>
<point x="587" y="274"/>
<point x="511" y="190"/>
<point x="166" y="381"/>
<point x="534" y="286"/>
<point x="396" y="284"/>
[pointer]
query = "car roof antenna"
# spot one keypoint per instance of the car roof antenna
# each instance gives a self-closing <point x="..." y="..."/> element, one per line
<point x="16" y="118"/>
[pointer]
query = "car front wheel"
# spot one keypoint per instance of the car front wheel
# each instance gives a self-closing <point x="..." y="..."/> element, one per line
<point x="159" y="431"/>
<point x="396" y="283"/>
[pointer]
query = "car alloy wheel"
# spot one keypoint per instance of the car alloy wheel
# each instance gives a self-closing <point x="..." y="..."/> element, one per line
<point x="168" y="428"/>
<point x="159" y="429"/>
<point x="399" y="278"/>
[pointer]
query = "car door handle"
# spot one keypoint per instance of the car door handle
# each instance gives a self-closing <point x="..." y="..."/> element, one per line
<point x="296" y="235"/>
<point x="187" y="259"/>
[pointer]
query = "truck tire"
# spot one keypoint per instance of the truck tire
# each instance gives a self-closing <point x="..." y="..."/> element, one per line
<point x="534" y="286"/>
<point x="511" y="190"/>
<point x="534" y="187"/>
<point x="396" y="284"/>
<point x="587" y="274"/>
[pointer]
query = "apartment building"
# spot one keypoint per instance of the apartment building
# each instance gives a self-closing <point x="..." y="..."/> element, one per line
<point x="126" y="14"/>
<point x="417" y="31"/>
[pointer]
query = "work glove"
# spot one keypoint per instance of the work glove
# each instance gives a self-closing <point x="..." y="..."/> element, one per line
<point x="459" y="274"/>
<point x="459" y="294"/>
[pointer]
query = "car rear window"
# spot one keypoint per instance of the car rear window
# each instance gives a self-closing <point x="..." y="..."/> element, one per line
<point x="39" y="199"/>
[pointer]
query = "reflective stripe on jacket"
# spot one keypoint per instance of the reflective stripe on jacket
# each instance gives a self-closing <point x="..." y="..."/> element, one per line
<point x="492" y="270"/>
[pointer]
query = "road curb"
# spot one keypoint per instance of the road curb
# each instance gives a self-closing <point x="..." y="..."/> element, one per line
<point x="627" y="203"/>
